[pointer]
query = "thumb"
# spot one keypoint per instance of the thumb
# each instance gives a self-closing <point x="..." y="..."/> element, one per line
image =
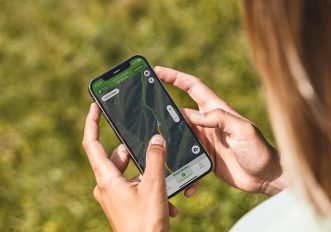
<point x="155" y="158"/>
<point x="217" y="118"/>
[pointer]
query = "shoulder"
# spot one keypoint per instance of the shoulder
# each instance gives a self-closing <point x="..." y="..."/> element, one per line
<point x="282" y="212"/>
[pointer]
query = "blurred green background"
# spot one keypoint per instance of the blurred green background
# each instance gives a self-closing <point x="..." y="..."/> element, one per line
<point x="51" y="49"/>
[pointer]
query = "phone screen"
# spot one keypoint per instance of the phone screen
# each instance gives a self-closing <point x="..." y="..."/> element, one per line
<point x="138" y="106"/>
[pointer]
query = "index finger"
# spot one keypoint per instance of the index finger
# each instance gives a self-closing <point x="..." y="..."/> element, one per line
<point x="198" y="91"/>
<point x="96" y="153"/>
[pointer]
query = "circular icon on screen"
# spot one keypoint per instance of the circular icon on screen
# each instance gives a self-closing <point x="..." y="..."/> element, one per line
<point x="147" y="73"/>
<point x="195" y="149"/>
<point x="151" y="80"/>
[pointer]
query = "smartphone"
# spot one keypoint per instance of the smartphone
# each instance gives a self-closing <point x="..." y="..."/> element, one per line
<point x="137" y="106"/>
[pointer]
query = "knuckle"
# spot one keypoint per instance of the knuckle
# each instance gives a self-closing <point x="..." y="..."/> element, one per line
<point x="86" y="144"/>
<point x="196" y="81"/>
<point x="249" y="128"/>
<point x="156" y="148"/>
<point x="199" y="81"/>
<point x="156" y="152"/>
<point x="219" y="112"/>
<point x="96" y="193"/>
<point x="103" y="183"/>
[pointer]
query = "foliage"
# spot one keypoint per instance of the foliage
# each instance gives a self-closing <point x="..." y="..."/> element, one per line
<point x="50" y="50"/>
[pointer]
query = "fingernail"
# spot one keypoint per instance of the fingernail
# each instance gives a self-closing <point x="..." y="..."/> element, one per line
<point x="156" y="67"/>
<point x="157" y="139"/>
<point x="93" y="105"/>
<point x="197" y="116"/>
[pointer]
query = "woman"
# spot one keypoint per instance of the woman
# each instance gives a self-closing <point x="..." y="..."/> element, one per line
<point x="290" y="42"/>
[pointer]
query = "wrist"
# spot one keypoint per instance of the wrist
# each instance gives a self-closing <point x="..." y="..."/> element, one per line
<point x="275" y="181"/>
<point x="274" y="186"/>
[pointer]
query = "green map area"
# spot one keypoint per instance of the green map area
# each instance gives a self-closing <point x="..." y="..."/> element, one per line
<point x="139" y="111"/>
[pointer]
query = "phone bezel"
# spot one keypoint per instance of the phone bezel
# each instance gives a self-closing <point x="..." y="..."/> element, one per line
<point x="119" y="68"/>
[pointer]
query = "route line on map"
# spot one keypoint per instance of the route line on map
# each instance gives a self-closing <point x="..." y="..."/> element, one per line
<point x="158" y="122"/>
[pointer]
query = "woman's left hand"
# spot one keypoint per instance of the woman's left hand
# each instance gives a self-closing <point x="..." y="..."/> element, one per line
<point x="130" y="205"/>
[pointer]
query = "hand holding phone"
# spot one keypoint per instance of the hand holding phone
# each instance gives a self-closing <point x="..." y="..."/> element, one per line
<point x="123" y="200"/>
<point x="137" y="106"/>
<point x="242" y="156"/>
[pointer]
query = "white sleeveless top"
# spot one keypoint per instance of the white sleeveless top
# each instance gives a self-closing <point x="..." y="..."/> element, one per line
<point x="282" y="212"/>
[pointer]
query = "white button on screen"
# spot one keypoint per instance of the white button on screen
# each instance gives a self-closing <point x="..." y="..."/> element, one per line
<point x="110" y="94"/>
<point x="195" y="149"/>
<point x="151" y="80"/>
<point x="173" y="113"/>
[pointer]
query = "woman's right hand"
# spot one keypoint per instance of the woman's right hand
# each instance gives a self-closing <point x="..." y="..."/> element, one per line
<point x="242" y="156"/>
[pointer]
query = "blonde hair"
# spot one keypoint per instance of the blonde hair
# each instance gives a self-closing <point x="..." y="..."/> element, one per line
<point x="291" y="46"/>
